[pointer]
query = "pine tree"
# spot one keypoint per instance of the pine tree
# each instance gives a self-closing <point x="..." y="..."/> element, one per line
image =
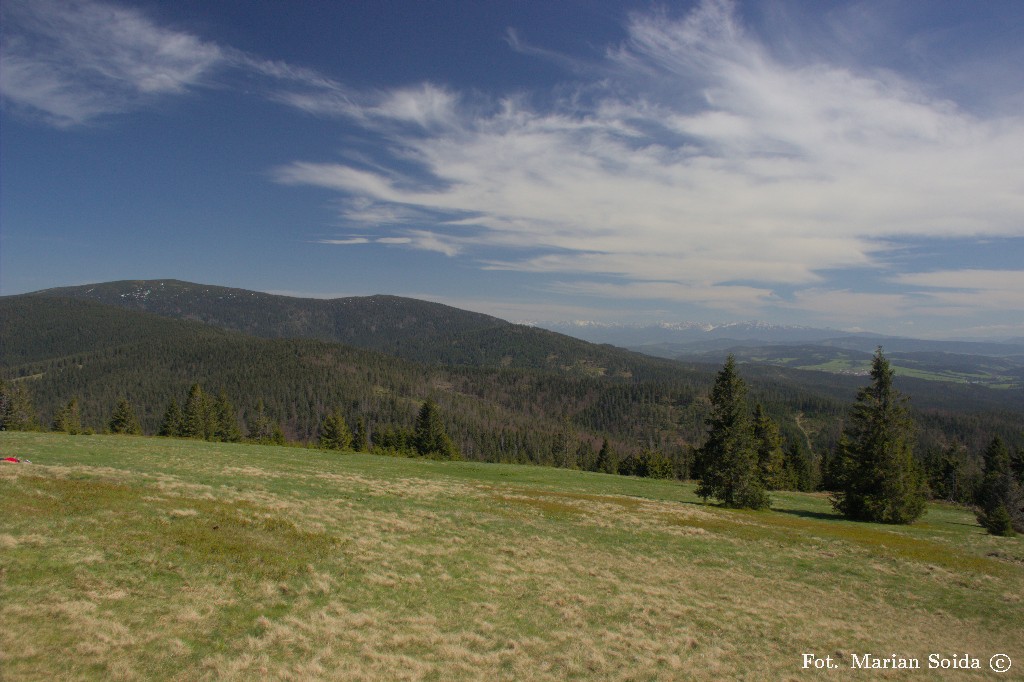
<point x="16" y="410"/>
<point x="771" y="459"/>
<point x="195" y="421"/>
<point x="68" y="418"/>
<point x="654" y="464"/>
<point x="629" y="466"/>
<point x="586" y="457"/>
<point x="334" y="433"/>
<point x="877" y="476"/>
<point x="258" y="426"/>
<point x="123" y="420"/>
<point x="225" y="420"/>
<point x="607" y="462"/>
<point x="1001" y="498"/>
<point x="430" y="437"/>
<point x="800" y="467"/>
<point x="560" y="450"/>
<point x="359" y="439"/>
<point x="171" y="424"/>
<point x="1017" y="464"/>
<point x="728" y="458"/>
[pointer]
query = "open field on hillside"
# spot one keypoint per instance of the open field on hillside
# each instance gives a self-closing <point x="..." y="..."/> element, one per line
<point x="146" y="558"/>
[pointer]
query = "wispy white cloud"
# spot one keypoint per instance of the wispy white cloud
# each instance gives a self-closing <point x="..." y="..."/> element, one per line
<point x="70" y="62"/>
<point x="422" y="240"/>
<point x="969" y="289"/>
<point x="699" y="168"/>
<point x="694" y="164"/>
<point x="845" y="307"/>
<point x="348" y="241"/>
<point x="966" y="279"/>
<point x="75" y="60"/>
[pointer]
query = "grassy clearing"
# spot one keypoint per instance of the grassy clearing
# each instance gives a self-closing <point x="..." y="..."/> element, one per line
<point x="141" y="558"/>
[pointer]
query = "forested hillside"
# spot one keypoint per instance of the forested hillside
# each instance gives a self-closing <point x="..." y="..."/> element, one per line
<point x="522" y="395"/>
<point x="62" y="348"/>
<point x="415" y="330"/>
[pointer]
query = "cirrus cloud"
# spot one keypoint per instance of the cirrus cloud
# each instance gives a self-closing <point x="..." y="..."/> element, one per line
<point x="74" y="61"/>
<point x="698" y="168"/>
<point x="697" y="161"/>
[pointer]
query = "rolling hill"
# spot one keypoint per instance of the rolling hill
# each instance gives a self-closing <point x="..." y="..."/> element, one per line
<point x="510" y="392"/>
<point x="415" y="330"/>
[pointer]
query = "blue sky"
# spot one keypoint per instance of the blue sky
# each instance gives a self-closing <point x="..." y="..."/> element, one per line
<point x="857" y="165"/>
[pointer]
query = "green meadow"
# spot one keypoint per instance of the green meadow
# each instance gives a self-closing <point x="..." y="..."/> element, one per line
<point x="128" y="558"/>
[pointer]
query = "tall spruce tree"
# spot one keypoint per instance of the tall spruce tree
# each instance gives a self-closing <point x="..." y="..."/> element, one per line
<point x="334" y="433"/>
<point x="430" y="438"/>
<point x="258" y="426"/>
<point x="225" y="420"/>
<point x="728" y="459"/>
<point x="800" y="467"/>
<point x="170" y="426"/>
<point x="195" y="420"/>
<point x="878" y="478"/>
<point x="16" y="410"/>
<point x="68" y="418"/>
<point x="360" y="442"/>
<point x="771" y="459"/>
<point x="606" y="462"/>
<point x="1001" y="498"/>
<point x="586" y="456"/>
<point x="123" y="420"/>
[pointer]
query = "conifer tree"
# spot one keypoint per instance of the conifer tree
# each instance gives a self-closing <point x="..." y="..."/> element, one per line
<point x="16" y="410"/>
<point x="655" y="464"/>
<point x="334" y="433"/>
<point x="258" y="426"/>
<point x="170" y="426"/>
<point x="771" y="459"/>
<point x="560" y="450"/>
<point x="277" y="435"/>
<point x="729" y="471"/>
<point x="1001" y="498"/>
<point x="359" y="439"/>
<point x="586" y="457"/>
<point x="877" y="476"/>
<point x="68" y="418"/>
<point x="630" y="465"/>
<point x="225" y="420"/>
<point x="195" y="421"/>
<point x="123" y="420"/>
<point x="607" y="461"/>
<point x="430" y="438"/>
<point x="800" y="467"/>
<point x="1017" y="464"/>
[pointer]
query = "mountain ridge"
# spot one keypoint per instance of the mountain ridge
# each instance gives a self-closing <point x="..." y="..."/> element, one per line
<point x="413" y="329"/>
<point x="511" y="393"/>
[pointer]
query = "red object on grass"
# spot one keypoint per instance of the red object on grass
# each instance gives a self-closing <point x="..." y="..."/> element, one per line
<point x="12" y="459"/>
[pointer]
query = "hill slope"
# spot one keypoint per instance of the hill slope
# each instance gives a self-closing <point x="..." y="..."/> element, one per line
<point x="408" y="328"/>
<point x="168" y="559"/>
<point x="503" y="411"/>
<point x="64" y="347"/>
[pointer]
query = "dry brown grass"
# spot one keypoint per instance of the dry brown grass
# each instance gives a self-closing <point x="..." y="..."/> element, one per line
<point x="225" y="565"/>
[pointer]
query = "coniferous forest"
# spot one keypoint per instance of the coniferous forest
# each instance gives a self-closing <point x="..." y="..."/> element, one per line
<point x="413" y="378"/>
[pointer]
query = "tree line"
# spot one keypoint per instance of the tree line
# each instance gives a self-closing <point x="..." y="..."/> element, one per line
<point x="874" y="474"/>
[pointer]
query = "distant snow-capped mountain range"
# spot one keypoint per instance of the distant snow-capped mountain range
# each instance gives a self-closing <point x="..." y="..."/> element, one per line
<point x="674" y="339"/>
